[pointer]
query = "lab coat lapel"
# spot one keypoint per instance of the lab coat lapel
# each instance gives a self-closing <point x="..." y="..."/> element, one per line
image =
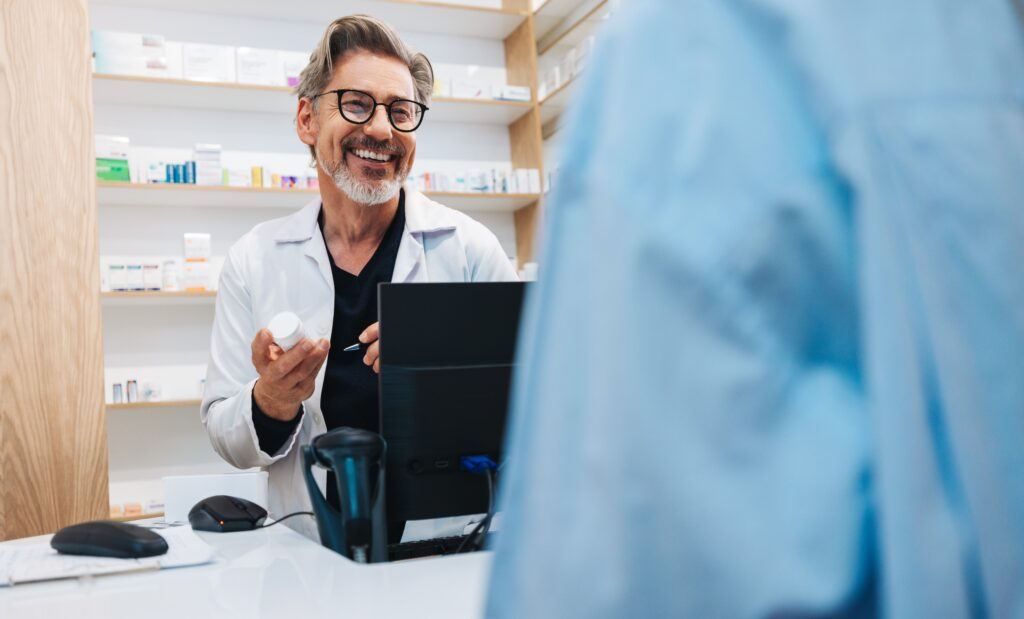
<point x="302" y="227"/>
<point x="317" y="250"/>
<point x="420" y="221"/>
<point x="411" y="261"/>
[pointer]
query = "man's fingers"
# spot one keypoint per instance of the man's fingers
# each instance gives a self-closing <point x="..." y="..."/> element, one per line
<point x="370" y="334"/>
<point x="291" y="359"/>
<point x="311" y="364"/>
<point x="372" y="354"/>
<point x="260" y="345"/>
<point x="274" y="352"/>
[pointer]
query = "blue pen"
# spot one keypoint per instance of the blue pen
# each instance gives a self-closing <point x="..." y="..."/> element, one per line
<point x="355" y="347"/>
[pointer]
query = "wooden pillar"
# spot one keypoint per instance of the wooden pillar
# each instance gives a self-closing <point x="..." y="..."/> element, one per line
<point x="525" y="133"/>
<point x="53" y="450"/>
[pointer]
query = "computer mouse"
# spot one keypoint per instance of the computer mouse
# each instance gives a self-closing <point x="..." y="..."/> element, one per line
<point x="105" y="538"/>
<point x="224" y="514"/>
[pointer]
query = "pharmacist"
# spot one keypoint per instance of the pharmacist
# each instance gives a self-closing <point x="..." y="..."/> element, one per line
<point x="361" y="99"/>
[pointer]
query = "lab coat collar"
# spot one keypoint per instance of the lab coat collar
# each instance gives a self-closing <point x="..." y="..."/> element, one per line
<point x="422" y="216"/>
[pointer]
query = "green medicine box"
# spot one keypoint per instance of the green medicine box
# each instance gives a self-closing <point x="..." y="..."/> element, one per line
<point x="112" y="170"/>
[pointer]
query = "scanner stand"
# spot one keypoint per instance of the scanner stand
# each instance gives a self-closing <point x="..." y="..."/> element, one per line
<point x="358" y="530"/>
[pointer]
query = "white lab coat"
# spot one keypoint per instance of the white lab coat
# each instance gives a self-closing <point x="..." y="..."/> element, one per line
<point x="283" y="265"/>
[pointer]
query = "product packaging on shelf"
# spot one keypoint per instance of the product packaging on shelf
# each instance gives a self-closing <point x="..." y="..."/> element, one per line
<point x="112" y="158"/>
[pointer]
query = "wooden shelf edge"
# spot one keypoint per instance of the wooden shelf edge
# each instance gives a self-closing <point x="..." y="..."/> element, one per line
<point x="557" y="91"/>
<point x="157" y="404"/>
<point x="475" y="194"/>
<point x="174" y="81"/>
<point x="226" y="188"/>
<point x="194" y="187"/>
<point x="137" y="517"/>
<point x="494" y="102"/>
<point x="183" y="82"/>
<point x="464" y="7"/>
<point x="156" y="294"/>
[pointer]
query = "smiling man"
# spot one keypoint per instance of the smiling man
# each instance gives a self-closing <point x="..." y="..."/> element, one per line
<point x="361" y="99"/>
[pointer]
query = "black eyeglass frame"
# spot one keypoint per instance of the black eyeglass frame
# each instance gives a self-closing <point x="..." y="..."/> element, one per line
<point x="387" y="107"/>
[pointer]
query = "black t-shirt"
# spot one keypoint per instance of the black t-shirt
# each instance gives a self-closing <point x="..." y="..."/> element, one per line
<point x="350" y="395"/>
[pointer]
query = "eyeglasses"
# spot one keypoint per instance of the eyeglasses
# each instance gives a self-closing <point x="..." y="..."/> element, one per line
<point x="358" y="107"/>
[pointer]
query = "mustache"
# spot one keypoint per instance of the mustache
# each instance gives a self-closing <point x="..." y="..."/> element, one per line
<point x="367" y="143"/>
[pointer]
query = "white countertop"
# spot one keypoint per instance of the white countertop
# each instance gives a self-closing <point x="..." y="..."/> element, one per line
<point x="271" y="574"/>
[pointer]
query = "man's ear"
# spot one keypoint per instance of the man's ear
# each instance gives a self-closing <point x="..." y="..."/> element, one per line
<point x="306" y="125"/>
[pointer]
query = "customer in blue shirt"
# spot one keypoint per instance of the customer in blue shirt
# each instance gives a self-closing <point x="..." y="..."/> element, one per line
<point x="774" y="364"/>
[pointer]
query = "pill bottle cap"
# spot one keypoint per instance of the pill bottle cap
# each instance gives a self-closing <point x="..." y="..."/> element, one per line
<point x="286" y="329"/>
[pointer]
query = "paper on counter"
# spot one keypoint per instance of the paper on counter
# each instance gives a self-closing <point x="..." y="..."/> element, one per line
<point x="22" y="562"/>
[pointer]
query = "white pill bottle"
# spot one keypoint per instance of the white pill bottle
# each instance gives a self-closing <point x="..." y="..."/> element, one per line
<point x="286" y="329"/>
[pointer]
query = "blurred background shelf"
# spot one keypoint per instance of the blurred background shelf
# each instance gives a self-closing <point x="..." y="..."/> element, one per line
<point x="190" y="94"/>
<point x="450" y="18"/>
<point x="555" y="102"/>
<point x="577" y="23"/>
<point x="141" y="194"/>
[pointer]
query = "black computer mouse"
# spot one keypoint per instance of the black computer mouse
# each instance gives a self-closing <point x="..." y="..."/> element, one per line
<point x="105" y="538"/>
<point x="224" y="514"/>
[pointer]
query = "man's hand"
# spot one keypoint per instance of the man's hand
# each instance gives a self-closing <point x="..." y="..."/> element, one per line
<point x="371" y="336"/>
<point x="286" y="378"/>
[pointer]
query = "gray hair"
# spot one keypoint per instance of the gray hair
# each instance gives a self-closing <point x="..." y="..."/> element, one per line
<point x="361" y="32"/>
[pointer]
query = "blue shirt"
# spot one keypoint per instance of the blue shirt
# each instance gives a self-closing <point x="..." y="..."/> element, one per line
<point x="775" y="360"/>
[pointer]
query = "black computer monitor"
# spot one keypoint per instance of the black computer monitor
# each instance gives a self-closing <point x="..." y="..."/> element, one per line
<point x="446" y="358"/>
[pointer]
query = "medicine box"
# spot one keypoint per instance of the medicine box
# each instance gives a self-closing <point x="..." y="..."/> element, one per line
<point x="258" y="66"/>
<point x="129" y="53"/>
<point x="196" y="276"/>
<point x="292" y="64"/>
<point x="470" y="89"/>
<point x="208" y="63"/>
<point x="514" y="93"/>
<point x="197" y="246"/>
<point x="112" y="158"/>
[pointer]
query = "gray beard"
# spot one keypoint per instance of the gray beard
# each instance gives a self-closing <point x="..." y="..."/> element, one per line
<point x="367" y="193"/>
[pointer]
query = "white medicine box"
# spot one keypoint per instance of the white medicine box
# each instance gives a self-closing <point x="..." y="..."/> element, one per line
<point x="258" y="66"/>
<point x="196" y="276"/>
<point x="208" y="63"/>
<point x="197" y="246"/>
<point x="129" y="53"/>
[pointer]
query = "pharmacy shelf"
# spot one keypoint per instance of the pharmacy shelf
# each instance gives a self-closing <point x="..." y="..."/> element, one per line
<point x="571" y="33"/>
<point x="475" y="111"/>
<point x="153" y="297"/>
<point x="493" y="202"/>
<point x="177" y="195"/>
<point x="191" y="94"/>
<point x="180" y="195"/>
<point x="550" y="16"/>
<point x="168" y="92"/>
<point x="157" y="404"/>
<point x="450" y="18"/>
<point x="556" y="102"/>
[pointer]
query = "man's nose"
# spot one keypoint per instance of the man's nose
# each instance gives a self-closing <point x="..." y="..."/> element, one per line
<point x="379" y="127"/>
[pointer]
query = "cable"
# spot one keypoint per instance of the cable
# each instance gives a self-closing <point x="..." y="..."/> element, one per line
<point x="479" y="532"/>
<point x="282" y="519"/>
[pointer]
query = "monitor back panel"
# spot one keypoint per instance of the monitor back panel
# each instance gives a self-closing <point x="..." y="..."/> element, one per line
<point x="447" y="354"/>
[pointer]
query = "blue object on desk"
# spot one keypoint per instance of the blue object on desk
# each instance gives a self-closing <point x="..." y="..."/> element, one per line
<point x="774" y="363"/>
